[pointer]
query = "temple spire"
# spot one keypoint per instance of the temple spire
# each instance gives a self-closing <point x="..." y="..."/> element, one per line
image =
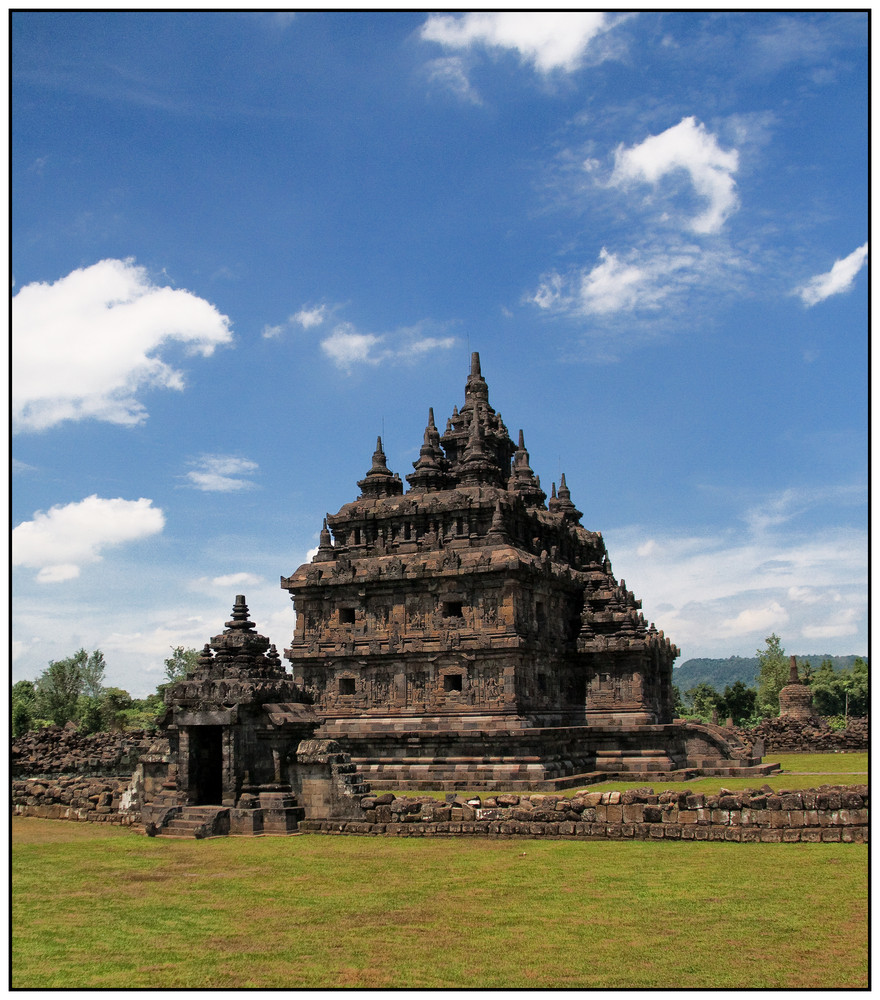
<point x="523" y="481"/>
<point x="564" y="505"/>
<point x="431" y="468"/>
<point x="380" y="481"/>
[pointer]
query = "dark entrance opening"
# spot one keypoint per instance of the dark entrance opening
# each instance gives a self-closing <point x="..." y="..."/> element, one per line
<point x="206" y="763"/>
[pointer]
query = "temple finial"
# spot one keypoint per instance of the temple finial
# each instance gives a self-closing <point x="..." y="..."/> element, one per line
<point x="475" y="363"/>
<point x="239" y="621"/>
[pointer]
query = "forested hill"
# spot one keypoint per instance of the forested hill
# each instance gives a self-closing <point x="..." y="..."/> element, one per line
<point x="720" y="673"/>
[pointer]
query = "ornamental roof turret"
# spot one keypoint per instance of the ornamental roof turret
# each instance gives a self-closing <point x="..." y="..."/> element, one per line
<point x="564" y="505"/>
<point x="478" y="467"/>
<point x="237" y="667"/>
<point x="432" y="469"/>
<point x="380" y="481"/>
<point x="523" y="481"/>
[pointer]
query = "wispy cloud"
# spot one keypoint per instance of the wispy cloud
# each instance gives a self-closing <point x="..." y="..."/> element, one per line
<point x="450" y="73"/>
<point x="688" y="148"/>
<point x="348" y="348"/>
<point x="783" y="507"/>
<point x="87" y="345"/>
<point x="548" y="41"/>
<point x="680" y="253"/>
<point x="221" y="473"/>
<point x="839" y="279"/>
<point x="306" y="318"/>
<point x="60" y="541"/>
<point x="723" y="592"/>
<point x="640" y="281"/>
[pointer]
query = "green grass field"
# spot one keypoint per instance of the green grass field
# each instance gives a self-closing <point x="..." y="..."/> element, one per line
<point x="96" y="906"/>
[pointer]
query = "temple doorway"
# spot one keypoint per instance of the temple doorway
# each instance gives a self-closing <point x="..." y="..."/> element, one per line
<point x="206" y="765"/>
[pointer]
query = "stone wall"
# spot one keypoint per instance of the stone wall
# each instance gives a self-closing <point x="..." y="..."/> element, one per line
<point x="789" y="735"/>
<point x="830" y="814"/>
<point x="74" y="797"/>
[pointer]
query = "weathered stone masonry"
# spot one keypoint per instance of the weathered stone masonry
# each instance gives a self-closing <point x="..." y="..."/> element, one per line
<point x="468" y="628"/>
<point x="830" y="814"/>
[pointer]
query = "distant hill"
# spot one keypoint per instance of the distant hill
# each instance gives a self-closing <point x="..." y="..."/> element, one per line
<point x="720" y="673"/>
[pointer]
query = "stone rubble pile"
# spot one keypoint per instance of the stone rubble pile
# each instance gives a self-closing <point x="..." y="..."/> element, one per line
<point x="814" y="735"/>
<point x="63" y="750"/>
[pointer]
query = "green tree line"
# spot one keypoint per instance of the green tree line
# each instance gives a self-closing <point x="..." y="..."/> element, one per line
<point x="73" y="690"/>
<point x="836" y="693"/>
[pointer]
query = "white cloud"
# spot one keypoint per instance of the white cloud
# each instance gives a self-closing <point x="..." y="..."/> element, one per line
<point x="614" y="284"/>
<point x="310" y="316"/>
<point x="642" y="280"/>
<point x="237" y="580"/>
<point x="59" y="542"/>
<point x="838" y="280"/>
<point x="88" y="344"/>
<point x="306" y="318"/>
<point x="687" y="147"/>
<point x="845" y="623"/>
<point x="347" y="348"/>
<point x="770" y="618"/>
<point x="220" y="473"/>
<point x="549" y="41"/>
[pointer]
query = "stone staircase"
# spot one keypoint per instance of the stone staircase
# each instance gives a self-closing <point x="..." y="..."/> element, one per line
<point x="198" y="822"/>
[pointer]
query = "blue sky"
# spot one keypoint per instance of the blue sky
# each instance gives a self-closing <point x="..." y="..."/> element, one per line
<point x="244" y="244"/>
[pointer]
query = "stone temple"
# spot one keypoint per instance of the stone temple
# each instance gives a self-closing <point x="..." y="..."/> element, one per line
<point x="467" y="631"/>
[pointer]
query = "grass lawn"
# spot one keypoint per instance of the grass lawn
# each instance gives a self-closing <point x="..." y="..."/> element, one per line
<point x="96" y="906"/>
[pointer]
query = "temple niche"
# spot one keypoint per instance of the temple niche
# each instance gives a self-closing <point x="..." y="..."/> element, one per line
<point x="467" y="630"/>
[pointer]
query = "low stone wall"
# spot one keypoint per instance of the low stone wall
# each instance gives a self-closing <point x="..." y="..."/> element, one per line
<point x="830" y="814"/>
<point x="73" y="797"/>
<point x="789" y="735"/>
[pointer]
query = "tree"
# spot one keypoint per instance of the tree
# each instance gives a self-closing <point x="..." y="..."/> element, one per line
<point x="24" y="691"/>
<point x="829" y="697"/>
<point x="21" y="718"/>
<point x="737" y="702"/>
<point x="857" y="688"/>
<point x="772" y="675"/>
<point x="59" y="686"/>
<point x="114" y="701"/>
<point x="703" y="699"/>
<point x="93" y="675"/>
<point x="678" y="705"/>
<point x="180" y="663"/>
<point x="71" y="688"/>
<point x="88" y="714"/>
